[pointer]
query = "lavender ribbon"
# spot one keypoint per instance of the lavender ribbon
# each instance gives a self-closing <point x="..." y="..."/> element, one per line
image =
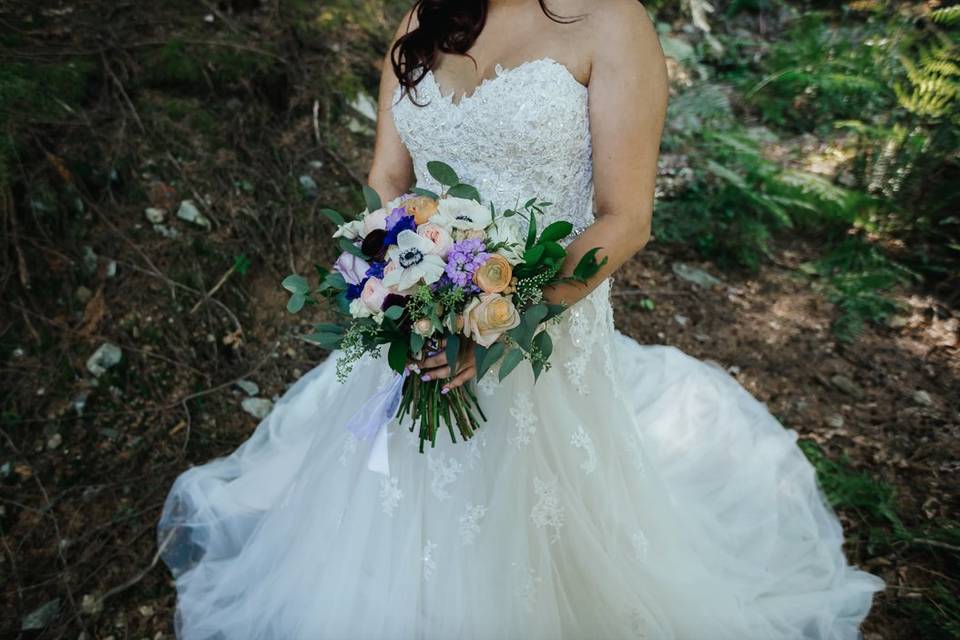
<point x="371" y="419"/>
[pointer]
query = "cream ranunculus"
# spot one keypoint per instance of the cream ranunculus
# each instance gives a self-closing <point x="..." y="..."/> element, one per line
<point x="423" y="327"/>
<point x="461" y="213"/>
<point x="438" y="236"/>
<point x="487" y="318"/>
<point x="373" y="294"/>
<point x="494" y="275"/>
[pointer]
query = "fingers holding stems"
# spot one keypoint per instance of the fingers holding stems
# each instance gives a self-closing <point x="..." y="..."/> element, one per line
<point x="434" y="366"/>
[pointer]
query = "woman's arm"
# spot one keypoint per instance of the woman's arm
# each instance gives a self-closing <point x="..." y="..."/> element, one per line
<point x="391" y="171"/>
<point x="628" y="103"/>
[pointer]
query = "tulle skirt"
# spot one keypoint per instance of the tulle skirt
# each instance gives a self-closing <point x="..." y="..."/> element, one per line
<point x="631" y="492"/>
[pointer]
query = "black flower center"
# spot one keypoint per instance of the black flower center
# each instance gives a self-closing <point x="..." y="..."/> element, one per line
<point x="410" y="257"/>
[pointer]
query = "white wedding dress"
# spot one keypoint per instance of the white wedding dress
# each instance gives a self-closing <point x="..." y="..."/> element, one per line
<point x="632" y="492"/>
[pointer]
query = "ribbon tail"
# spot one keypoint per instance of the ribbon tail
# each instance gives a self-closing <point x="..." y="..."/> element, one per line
<point x="371" y="420"/>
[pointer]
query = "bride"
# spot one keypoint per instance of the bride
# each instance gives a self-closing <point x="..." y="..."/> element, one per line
<point x="632" y="492"/>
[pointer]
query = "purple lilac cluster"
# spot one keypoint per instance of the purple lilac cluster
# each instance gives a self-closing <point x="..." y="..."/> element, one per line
<point x="464" y="258"/>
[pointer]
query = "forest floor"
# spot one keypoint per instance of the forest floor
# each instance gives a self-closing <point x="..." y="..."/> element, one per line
<point x="258" y="140"/>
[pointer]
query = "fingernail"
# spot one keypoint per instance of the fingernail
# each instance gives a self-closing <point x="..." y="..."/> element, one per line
<point x="444" y="390"/>
<point x="413" y="367"/>
<point x="432" y="353"/>
<point x="425" y="377"/>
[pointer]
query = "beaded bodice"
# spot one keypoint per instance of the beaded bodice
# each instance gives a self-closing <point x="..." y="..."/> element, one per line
<point x="521" y="134"/>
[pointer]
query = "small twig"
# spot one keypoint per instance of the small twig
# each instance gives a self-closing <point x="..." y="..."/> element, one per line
<point x="215" y="288"/>
<point x="935" y="543"/>
<point x="140" y="576"/>
<point x="193" y="396"/>
<point x="123" y="93"/>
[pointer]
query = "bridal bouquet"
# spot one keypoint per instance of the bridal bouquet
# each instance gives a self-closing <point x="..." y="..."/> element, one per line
<point x="428" y="271"/>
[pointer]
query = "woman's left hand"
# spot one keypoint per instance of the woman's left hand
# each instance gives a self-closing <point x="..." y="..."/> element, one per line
<point x="435" y="367"/>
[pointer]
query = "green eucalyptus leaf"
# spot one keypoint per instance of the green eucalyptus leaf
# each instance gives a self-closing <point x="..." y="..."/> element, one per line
<point x="510" y="362"/>
<point x="328" y="341"/>
<point x="462" y="190"/>
<point x="296" y="302"/>
<point x="334" y="280"/>
<point x="544" y="343"/>
<point x="553" y="310"/>
<point x="349" y="247"/>
<point x="371" y="198"/>
<point x="393" y="312"/>
<point x="452" y="350"/>
<point x="416" y="342"/>
<point x="488" y="357"/>
<point x="425" y="192"/>
<point x="296" y="284"/>
<point x="333" y="216"/>
<point x="443" y="173"/>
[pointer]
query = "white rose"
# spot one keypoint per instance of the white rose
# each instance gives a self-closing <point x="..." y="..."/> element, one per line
<point x="461" y="213"/>
<point x="359" y="310"/>
<point x="508" y="230"/>
<point x="374" y="220"/>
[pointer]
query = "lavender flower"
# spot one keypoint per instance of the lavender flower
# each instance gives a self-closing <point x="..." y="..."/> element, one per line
<point x="397" y="221"/>
<point x="464" y="258"/>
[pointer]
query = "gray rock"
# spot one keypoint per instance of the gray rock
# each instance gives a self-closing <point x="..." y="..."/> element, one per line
<point x="189" y="212"/>
<point x="83" y="294"/>
<point x="90" y="260"/>
<point x="681" y="320"/>
<point x="249" y="387"/>
<point x="695" y="275"/>
<point x="309" y="186"/>
<point x="922" y="398"/>
<point x="365" y="105"/>
<point x="41" y="616"/>
<point x="111" y="268"/>
<point x="91" y="605"/>
<point x="155" y="215"/>
<point x="847" y="385"/>
<point x="836" y="421"/>
<point x="108" y="355"/>
<point x="166" y="232"/>
<point x="259" y="408"/>
<point x="54" y="441"/>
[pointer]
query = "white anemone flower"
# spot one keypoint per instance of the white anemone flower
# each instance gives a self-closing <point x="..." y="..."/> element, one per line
<point x="414" y="262"/>
<point x="462" y="213"/>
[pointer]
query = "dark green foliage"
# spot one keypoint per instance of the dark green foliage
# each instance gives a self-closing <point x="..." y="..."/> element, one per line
<point x="855" y="276"/>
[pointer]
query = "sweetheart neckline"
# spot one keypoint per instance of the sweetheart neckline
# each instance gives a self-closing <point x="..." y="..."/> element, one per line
<point x="500" y="73"/>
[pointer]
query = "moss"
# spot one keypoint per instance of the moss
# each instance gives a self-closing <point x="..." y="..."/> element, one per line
<point x="172" y="66"/>
<point x="43" y="89"/>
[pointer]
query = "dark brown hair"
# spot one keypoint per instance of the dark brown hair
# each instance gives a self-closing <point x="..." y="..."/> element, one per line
<point x="447" y="26"/>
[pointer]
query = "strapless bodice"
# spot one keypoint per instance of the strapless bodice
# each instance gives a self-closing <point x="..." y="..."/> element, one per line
<point x="521" y="134"/>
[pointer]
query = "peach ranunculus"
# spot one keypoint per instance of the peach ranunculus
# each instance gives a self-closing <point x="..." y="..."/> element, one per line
<point x="438" y="236"/>
<point x="421" y="208"/>
<point x="486" y="318"/>
<point x="494" y="275"/>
